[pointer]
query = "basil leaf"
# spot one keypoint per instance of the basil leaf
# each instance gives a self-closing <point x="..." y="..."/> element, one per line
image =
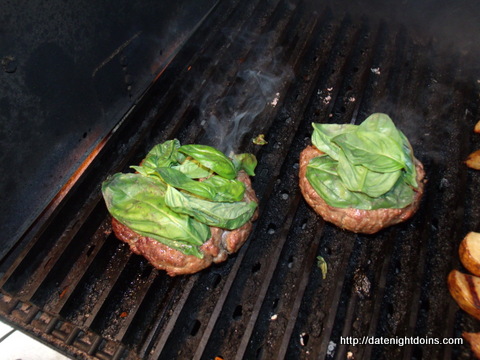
<point x="223" y="215"/>
<point x="192" y="168"/>
<point x="226" y="190"/>
<point x="162" y="155"/>
<point x="178" y="180"/>
<point x="353" y="176"/>
<point x="359" y="178"/>
<point x="145" y="171"/>
<point x="324" y="133"/>
<point x="333" y="191"/>
<point x="377" y="184"/>
<point x="322" y="264"/>
<point x="324" y="179"/>
<point x="367" y="166"/>
<point x="324" y="163"/>
<point x="211" y="158"/>
<point x="400" y="196"/>
<point x="375" y="151"/>
<point x="138" y="202"/>
<point x="246" y="162"/>
<point x="214" y="188"/>
<point x="382" y="124"/>
<point x="410" y="170"/>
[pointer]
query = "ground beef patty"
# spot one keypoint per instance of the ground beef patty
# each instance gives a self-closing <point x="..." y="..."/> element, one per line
<point x="356" y="220"/>
<point x="215" y="249"/>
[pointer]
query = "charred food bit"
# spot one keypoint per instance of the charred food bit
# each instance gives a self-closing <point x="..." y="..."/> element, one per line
<point x="260" y="140"/>
<point x="322" y="265"/>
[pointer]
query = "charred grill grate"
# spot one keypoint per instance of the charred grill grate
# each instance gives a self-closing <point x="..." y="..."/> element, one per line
<point x="70" y="283"/>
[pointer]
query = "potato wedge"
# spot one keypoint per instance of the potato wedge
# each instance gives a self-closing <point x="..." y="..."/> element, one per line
<point x="469" y="252"/>
<point x="465" y="289"/>
<point x="474" y="341"/>
<point x="473" y="160"/>
<point x="477" y="127"/>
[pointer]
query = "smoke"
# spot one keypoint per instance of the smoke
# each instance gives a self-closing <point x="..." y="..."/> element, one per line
<point x="422" y="128"/>
<point x="452" y="26"/>
<point x="232" y="105"/>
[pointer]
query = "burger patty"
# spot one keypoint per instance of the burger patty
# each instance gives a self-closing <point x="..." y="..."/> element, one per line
<point x="356" y="220"/>
<point x="215" y="250"/>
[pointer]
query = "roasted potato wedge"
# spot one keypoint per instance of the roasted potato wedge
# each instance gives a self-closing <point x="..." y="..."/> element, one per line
<point x="469" y="252"/>
<point x="477" y="127"/>
<point x="465" y="289"/>
<point x="474" y="341"/>
<point x="473" y="160"/>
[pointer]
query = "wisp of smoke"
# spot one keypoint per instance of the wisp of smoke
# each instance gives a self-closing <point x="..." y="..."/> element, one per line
<point x="228" y="115"/>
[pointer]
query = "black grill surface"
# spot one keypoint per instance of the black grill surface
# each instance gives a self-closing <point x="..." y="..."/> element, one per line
<point x="73" y="285"/>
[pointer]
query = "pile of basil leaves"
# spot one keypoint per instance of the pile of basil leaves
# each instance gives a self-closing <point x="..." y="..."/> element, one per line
<point x="367" y="166"/>
<point x="165" y="200"/>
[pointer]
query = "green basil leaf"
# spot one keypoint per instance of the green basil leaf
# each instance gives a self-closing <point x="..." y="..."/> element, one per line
<point x="377" y="184"/>
<point x="211" y="158"/>
<point x="145" y="171"/>
<point x="369" y="166"/>
<point x="322" y="264"/>
<point x="178" y="180"/>
<point x="333" y="191"/>
<point x="226" y="190"/>
<point x="192" y="168"/>
<point x="214" y="188"/>
<point x="162" y="155"/>
<point x="180" y="157"/>
<point x="223" y="215"/>
<point x="246" y="162"/>
<point x="375" y="151"/>
<point x="383" y="124"/>
<point x="353" y="176"/>
<point x="324" y="133"/>
<point x="138" y="202"/>
<point x="410" y="170"/>
<point x="359" y="178"/>
<point x="324" y="179"/>
<point x="400" y="196"/>
<point x="324" y="163"/>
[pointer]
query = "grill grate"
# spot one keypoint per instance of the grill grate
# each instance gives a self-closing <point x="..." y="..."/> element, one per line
<point x="70" y="283"/>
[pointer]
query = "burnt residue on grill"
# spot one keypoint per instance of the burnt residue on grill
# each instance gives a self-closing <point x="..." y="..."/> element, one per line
<point x="78" y="288"/>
